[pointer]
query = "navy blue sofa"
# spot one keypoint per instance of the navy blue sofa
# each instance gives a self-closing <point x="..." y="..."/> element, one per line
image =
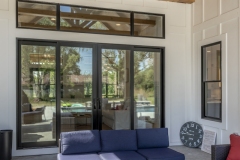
<point x="140" y="144"/>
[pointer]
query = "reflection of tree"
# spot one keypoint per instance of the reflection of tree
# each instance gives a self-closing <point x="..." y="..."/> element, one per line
<point x="36" y="65"/>
<point x="144" y="71"/>
<point x="113" y="69"/>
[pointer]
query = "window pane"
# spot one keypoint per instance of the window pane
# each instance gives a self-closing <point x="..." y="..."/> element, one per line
<point x="148" y="25"/>
<point x="35" y="15"/>
<point x="38" y="94"/>
<point x="212" y="63"/>
<point x="213" y="99"/>
<point x="115" y="89"/>
<point x="95" y="20"/>
<point x="147" y="89"/>
<point x="76" y="88"/>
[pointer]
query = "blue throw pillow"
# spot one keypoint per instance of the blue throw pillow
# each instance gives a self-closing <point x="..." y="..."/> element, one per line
<point x="119" y="140"/>
<point x="80" y="142"/>
<point x="152" y="138"/>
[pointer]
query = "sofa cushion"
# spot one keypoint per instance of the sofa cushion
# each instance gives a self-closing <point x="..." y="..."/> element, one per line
<point x="152" y="138"/>
<point x="161" y="154"/>
<point x="118" y="140"/>
<point x="121" y="155"/>
<point x="78" y="157"/>
<point x="235" y="147"/>
<point x="80" y="142"/>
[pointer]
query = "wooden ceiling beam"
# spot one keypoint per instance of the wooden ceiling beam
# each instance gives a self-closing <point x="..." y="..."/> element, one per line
<point x="181" y="1"/>
<point x="80" y="16"/>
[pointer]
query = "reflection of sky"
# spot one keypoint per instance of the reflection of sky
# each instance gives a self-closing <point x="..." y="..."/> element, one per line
<point x="85" y="63"/>
<point x="65" y="9"/>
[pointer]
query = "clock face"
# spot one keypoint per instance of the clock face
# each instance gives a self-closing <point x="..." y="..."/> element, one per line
<point x="191" y="134"/>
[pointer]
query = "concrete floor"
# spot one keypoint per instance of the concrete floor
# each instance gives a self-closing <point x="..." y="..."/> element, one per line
<point x="190" y="154"/>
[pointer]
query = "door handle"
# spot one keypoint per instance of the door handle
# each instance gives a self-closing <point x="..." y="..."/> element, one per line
<point x="99" y="104"/>
<point x="94" y="104"/>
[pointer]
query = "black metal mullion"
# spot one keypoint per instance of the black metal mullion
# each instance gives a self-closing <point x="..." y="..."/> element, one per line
<point x="58" y="91"/>
<point x="132" y="101"/>
<point x="95" y="88"/>
<point x="16" y="14"/>
<point x="19" y="115"/>
<point x="58" y="17"/>
<point x="163" y="87"/>
<point x="132" y="23"/>
<point x="99" y="77"/>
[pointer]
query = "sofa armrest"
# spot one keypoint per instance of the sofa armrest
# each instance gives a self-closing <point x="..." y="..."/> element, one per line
<point x="59" y="145"/>
<point x="220" y="152"/>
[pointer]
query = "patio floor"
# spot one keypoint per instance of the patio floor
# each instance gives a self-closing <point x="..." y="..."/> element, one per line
<point x="190" y="154"/>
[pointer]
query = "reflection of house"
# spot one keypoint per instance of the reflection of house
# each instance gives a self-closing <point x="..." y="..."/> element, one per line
<point x="73" y="86"/>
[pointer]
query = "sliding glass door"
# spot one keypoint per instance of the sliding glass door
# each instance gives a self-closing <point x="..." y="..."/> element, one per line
<point x="148" y="93"/>
<point x="131" y="87"/>
<point x="115" y="88"/>
<point x="76" y="81"/>
<point x="37" y="90"/>
<point x="66" y="86"/>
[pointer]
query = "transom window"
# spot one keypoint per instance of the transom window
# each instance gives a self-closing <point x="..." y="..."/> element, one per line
<point x="60" y="17"/>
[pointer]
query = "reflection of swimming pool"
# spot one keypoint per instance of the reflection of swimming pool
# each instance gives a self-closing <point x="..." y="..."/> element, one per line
<point x="145" y="109"/>
<point x="77" y="105"/>
<point x="81" y="108"/>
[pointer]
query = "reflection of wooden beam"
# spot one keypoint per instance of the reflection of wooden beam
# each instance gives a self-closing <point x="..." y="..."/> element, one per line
<point x="32" y="25"/>
<point x="80" y="16"/>
<point x="42" y="57"/>
<point x="181" y="1"/>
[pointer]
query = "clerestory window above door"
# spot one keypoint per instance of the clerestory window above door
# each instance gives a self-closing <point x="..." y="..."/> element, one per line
<point x="71" y="18"/>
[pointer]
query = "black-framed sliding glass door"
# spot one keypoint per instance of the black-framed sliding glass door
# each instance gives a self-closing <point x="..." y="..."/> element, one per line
<point x="148" y="88"/>
<point x="36" y="93"/>
<point x="78" y="86"/>
<point x="114" y="84"/>
<point x="71" y="86"/>
<point x="131" y="87"/>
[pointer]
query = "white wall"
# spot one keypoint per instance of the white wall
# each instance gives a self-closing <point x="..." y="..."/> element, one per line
<point x="213" y="21"/>
<point x="178" y="57"/>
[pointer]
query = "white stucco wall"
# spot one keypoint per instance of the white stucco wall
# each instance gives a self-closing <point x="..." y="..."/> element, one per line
<point x="213" y="21"/>
<point x="178" y="58"/>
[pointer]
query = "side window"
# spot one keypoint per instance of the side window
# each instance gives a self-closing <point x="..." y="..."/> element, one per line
<point x="211" y="82"/>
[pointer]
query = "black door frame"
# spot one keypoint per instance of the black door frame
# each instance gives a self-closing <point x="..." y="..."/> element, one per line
<point x="132" y="49"/>
<point x="97" y="82"/>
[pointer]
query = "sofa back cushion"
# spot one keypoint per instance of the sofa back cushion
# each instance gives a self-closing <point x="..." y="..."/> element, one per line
<point x="152" y="138"/>
<point x="80" y="142"/>
<point x="118" y="140"/>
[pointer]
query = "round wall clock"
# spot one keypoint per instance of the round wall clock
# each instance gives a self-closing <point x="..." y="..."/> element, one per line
<point x="191" y="134"/>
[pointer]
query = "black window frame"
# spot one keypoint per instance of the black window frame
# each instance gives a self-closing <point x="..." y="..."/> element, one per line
<point x="89" y="7"/>
<point x="203" y="82"/>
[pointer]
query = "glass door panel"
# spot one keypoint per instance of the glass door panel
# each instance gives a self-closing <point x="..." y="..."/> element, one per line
<point x="147" y="89"/>
<point x="38" y="93"/>
<point x="76" y="88"/>
<point x="115" y="89"/>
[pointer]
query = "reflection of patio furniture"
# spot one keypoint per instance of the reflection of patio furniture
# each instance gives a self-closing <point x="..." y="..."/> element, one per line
<point x="30" y="117"/>
<point x="42" y="109"/>
<point x="116" y="119"/>
<point x="82" y="119"/>
<point x="68" y="123"/>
